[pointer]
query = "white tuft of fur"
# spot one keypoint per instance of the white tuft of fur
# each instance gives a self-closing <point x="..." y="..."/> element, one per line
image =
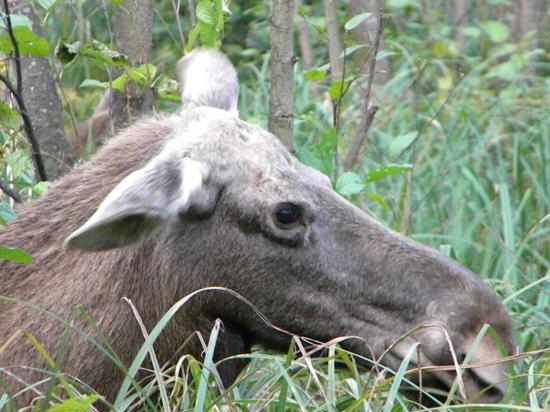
<point x="208" y="79"/>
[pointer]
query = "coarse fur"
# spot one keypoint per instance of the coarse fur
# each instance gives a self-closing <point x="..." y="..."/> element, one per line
<point x="178" y="203"/>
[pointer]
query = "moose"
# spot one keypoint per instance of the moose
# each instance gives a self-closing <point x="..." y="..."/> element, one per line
<point x="181" y="202"/>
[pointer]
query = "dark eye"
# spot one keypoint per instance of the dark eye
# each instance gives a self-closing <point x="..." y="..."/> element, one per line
<point x="287" y="214"/>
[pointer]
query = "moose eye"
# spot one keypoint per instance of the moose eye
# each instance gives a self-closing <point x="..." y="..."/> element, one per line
<point x="287" y="214"/>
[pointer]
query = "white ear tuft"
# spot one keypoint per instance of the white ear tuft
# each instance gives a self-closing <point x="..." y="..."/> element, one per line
<point x="141" y="202"/>
<point x="208" y="79"/>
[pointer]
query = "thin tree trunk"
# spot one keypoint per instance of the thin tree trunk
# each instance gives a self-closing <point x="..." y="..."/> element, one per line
<point x="369" y="110"/>
<point x="528" y="18"/>
<point x="460" y="9"/>
<point x="304" y="40"/>
<point x="366" y="33"/>
<point x="133" y="34"/>
<point x="334" y="42"/>
<point x="43" y="105"/>
<point x="281" y="112"/>
<point x="528" y="14"/>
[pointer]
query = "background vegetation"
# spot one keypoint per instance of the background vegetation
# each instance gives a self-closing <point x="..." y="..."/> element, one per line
<point x="457" y="157"/>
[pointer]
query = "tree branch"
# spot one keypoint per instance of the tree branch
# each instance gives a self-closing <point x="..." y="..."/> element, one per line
<point x="7" y="18"/>
<point x="368" y="109"/>
<point x="17" y="93"/>
<point x="11" y="193"/>
<point x="334" y="42"/>
<point x="27" y="125"/>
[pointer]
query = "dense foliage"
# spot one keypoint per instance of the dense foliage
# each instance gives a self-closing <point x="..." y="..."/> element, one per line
<point x="457" y="158"/>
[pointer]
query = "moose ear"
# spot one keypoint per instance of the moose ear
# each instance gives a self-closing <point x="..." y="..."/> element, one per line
<point x="144" y="200"/>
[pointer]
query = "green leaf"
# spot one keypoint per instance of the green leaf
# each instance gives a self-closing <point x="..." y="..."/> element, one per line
<point x="46" y="4"/>
<point x="75" y="404"/>
<point x="20" y="162"/>
<point x="381" y="55"/>
<point x="206" y="12"/>
<point x="508" y="70"/>
<point x="206" y="35"/>
<point x="40" y="188"/>
<point x="167" y="89"/>
<point x="9" y="118"/>
<point x="93" y="84"/>
<point x="337" y="89"/>
<point x="29" y="43"/>
<point x="115" y="2"/>
<point x="17" y="20"/>
<point x="472" y="32"/>
<point x="315" y="75"/>
<point x="356" y="21"/>
<point x="99" y="51"/>
<point x="120" y="82"/>
<point x="7" y="215"/>
<point x="310" y="159"/>
<point x="375" y="197"/>
<point x="94" y="50"/>
<point x="399" y="4"/>
<point x="448" y="250"/>
<point x="385" y="171"/>
<point x="350" y="50"/>
<point x="440" y="49"/>
<point x="496" y="30"/>
<point x="349" y="184"/>
<point x="192" y="39"/>
<point x="14" y="254"/>
<point x="400" y="143"/>
<point x="143" y="74"/>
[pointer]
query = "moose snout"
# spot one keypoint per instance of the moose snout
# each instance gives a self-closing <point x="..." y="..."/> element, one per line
<point x="472" y="362"/>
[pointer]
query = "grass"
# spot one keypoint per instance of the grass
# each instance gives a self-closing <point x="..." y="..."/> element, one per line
<point x="302" y="381"/>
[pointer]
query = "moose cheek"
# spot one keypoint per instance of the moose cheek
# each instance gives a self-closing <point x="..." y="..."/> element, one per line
<point x="292" y="237"/>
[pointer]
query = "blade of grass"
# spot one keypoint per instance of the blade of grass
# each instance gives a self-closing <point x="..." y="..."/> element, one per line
<point x="156" y="367"/>
<point x="388" y="406"/>
<point x="207" y="367"/>
<point x="331" y="377"/>
<point x="509" y="238"/>
<point x="466" y="362"/>
<point x="284" y="383"/>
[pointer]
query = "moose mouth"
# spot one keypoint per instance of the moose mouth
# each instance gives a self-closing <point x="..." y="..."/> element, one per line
<point x="433" y="386"/>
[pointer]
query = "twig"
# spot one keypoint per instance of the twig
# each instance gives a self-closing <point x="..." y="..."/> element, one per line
<point x="357" y="143"/>
<point x="336" y="112"/>
<point x="176" y="6"/>
<point x="11" y="193"/>
<point x="368" y="109"/>
<point x="191" y="9"/>
<point x="17" y="93"/>
<point x="18" y="75"/>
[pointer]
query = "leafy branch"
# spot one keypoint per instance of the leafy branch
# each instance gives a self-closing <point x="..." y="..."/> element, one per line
<point x="17" y="92"/>
<point x="368" y="109"/>
<point x="11" y="193"/>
